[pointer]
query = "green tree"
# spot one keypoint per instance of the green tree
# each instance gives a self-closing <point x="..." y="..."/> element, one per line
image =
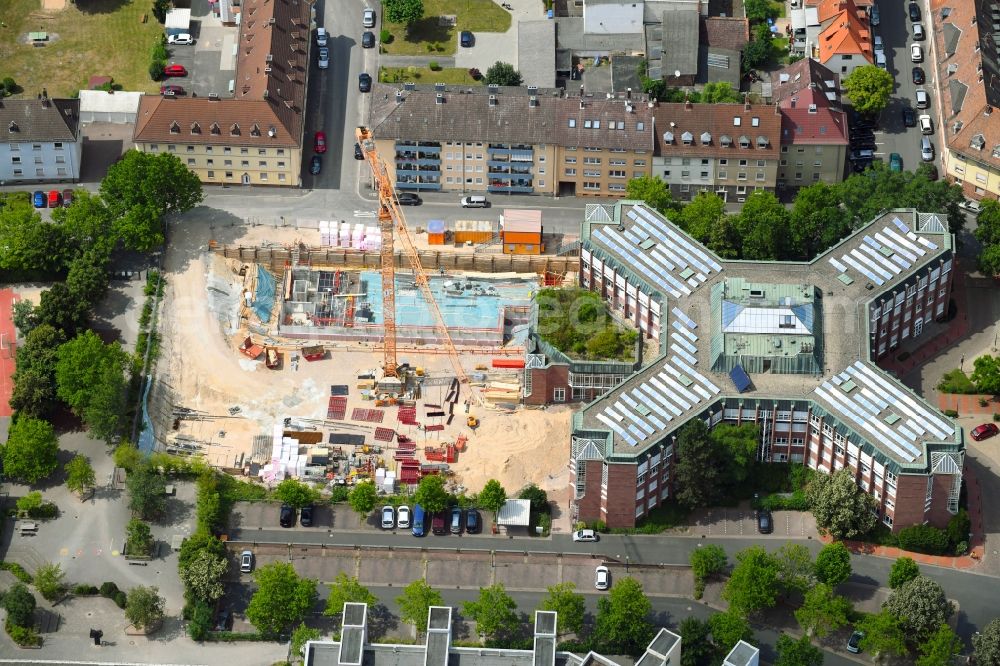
<point x="494" y="613"/>
<point x="35" y="374"/>
<point x="20" y="604"/>
<point x="923" y="539"/>
<point x="503" y="74"/>
<point x="605" y="344"/>
<point x="796" y="568"/>
<point x="622" y="618"/>
<point x="30" y="454"/>
<point x="823" y="611"/>
<point x="301" y="636"/>
<point x="988" y="234"/>
<point x="817" y="221"/>
<point x="296" y="494"/>
<point x="79" y="474"/>
<point x="127" y="457"/>
<point x="90" y="378"/>
<point x="728" y="629"/>
<point x="87" y="278"/>
<point x="869" y="88"/>
<point x="653" y="191"/>
<point x="105" y="410"/>
<point x="568" y="603"/>
<point x="146" y="492"/>
<point x="986" y="374"/>
<point x="28" y="243"/>
<point x="431" y="494"/>
<point x="539" y="498"/>
<point x="363" y="498"/>
<point x="986" y="644"/>
<point x="24" y="316"/>
<point x="940" y="647"/>
<point x="30" y="503"/>
<point x="756" y="53"/>
<point x="904" y="569"/>
<point x="493" y="497"/>
<point x="801" y="652"/>
<point x="202" y="576"/>
<point x="406" y="12"/>
<point x="701" y="215"/>
<point x="194" y="545"/>
<point x="160" y="8"/>
<point x="883" y="634"/>
<point x="708" y="560"/>
<point x="758" y="11"/>
<point x="415" y="602"/>
<point x="201" y="621"/>
<point x="833" y="564"/>
<point x="87" y="225"/>
<point x="138" y="538"/>
<point x="698" y="649"/>
<point x="762" y="226"/>
<point x="720" y="92"/>
<point x="737" y="446"/>
<point x="840" y="506"/>
<point x="281" y="600"/>
<point x="49" y="580"/>
<point x="346" y="589"/>
<point x="698" y="471"/>
<point x="753" y="584"/>
<point x="921" y="606"/>
<point x="144" y="607"/>
<point x="59" y="308"/>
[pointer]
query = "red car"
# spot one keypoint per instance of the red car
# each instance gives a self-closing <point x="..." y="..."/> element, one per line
<point x="174" y="70"/>
<point x="55" y="199"/>
<point x="319" y="142"/>
<point x="171" y="90"/>
<point x="984" y="431"/>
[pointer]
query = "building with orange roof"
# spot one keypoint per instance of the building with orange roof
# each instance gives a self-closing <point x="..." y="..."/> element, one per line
<point x="845" y="41"/>
<point x="256" y="136"/>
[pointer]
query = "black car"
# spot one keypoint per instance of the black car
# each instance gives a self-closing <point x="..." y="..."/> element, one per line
<point x="914" y="10"/>
<point x="408" y="199"/>
<point x="466" y="39"/>
<point x="315" y="165"/>
<point x="909" y="118"/>
<point x="472" y="522"/>
<point x="765" y="524"/>
<point x="918" y="75"/>
<point x="306" y="516"/>
<point x="364" y="82"/>
<point x="287" y="518"/>
<point x="367" y="39"/>
<point x="358" y="155"/>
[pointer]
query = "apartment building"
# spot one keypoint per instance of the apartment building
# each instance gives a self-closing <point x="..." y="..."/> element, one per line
<point x="966" y="36"/>
<point x="814" y="133"/>
<point x="729" y="149"/>
<point x="845" y="38"/>
<point x="256" y="137"/>
<point x="770" y="343"/>
<point x="42" y="142"/>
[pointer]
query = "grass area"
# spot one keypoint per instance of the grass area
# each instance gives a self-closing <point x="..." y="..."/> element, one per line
<point x="81" y="36"/>
<point x="779" y="8"/>
<point x="779" y="50"/>
<point x="577" y="322"/>
<point x="427" y="36"/>
<point x="956" y="381"/>
<point x="455" y="75"/>
<point x="662" y="518"/>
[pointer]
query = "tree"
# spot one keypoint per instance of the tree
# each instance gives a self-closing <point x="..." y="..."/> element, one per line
<point x="202" y="575"/>
<point x="801" y="652"/>
<point x="30" y="503"/>
<point x="105" y="409"/>
<point x="923" y="539"/>
<point x="701" y="215"/>
<point x="737" y="448"/>
<point x="719" y="92"/>
<point x="817" y="221"/>
<point x="406" y="12"/>
<point x="503" y="74"/>
<point x="138" y="538"/>
<point x="758" y="11"/>
<point x="160" y="8"/>
<point x="695" y="639"/>
<point x="539" y="498"/>
<point x="756" y="53"/>
<point x="194" y="545"/>
<point x="79" y="474"/>
<point x="146" y="492"/>
<point x="869" y="88"/>
<point x="653" y="191"/>
<point x="833" y="564"/>
<point x="87" y="225"/>
<point x="568" y="603"/>
<point x="940" y="647"/>
<point x="795" y="566"/>
<point x="494" y="613"/>
<point x="201" y="621"/>
<point x="87" y="278"/>
<point x="986" y="644"/>
<point x="301" y="636"/>
<point x="282" y="598"/>
<point x="415" y="602"/>
<point x="49" y="580"/>
<point x="823" y="611"/>
<point x="762" y="226"/>
<point x="708" y="560"/>
<point x="621" y="618"/>
<point x="987" y="233"/>
<point x="346" y="589"/>
<point x="127" y="456"/>
<point x="904" y="569"/>
<point x="698" y="472"/>
<point x="883" y="634"/>
<point x="493" y="497"/>
<point x="35" y="373"/>
<point x="28" y="243"/>
<point x="144" y="607"/>
<point x="728" y="629"/>
<point x="295" y="493"/>
<point x="363" y="498"/>
<point x="986" y="374"/>
<point x="90" y="378"/>
<point x="24" y="316"/>
<point x="30" y="454"/>
<point x="753" y="584"/>
<point x="20" y="604"/>
<point x="840" y="506"/>
<point x="431" y="494"/>
<point x="920" y="605"/>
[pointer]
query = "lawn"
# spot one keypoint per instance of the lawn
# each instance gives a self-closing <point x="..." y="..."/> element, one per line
<point x="779" y="8"/>
<point x="428" y="33"/>
<point x="455" y="75"/>
<point x="90" y="37"/>
<point x="956" y="381"/>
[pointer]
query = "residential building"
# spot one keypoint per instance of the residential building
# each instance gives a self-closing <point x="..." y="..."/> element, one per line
<point x="612" y="17"/>
<point x="256" y="137"/>
<point x="742" y="654"/>
<point x="845" y="39"/>
<point x="679" y="44"/>
<point x="42" y="142"/>
<point x="966" y="37"/>
<point x="729" y="149"/>
<point x="721" y="42"/>
<point x="814" y="133"/>
<point x="354" y="649"/>
<point x="769" y="343"/>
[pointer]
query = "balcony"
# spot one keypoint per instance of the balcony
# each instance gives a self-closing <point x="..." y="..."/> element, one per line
<point x="412" y="185"/>
<point x="510" y="175"/>
<point x="522" y="154"/>
<point x="409" y="146"/>
<point x="413" y="159"/>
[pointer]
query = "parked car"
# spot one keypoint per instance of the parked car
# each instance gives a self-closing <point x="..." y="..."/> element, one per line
<point x="984" y="431"/>
<point x="602" y="578"/>
<point x="971" y="205"/>
<point x="174" y="70"/>
<point x="914" y="10"/>
<point x="456" y="520"/>
<point x="225" y="620"/>
<point x="926" y="149"/>
<point x="408" y="199"/>
<point x="909" y="117"/>
<point x="183" y="39"/>
<point x="918" y="75"/>
<point x="367" y="39"/>
<point x="287" y="516"/>
<point x="916" y="53"/>
<point x="67" y="198"/>
<point x="585" y="535"/>
<point x="918" y="32"/>
<point x="403" y="517"/>
<point x="862" y="154"/>
<point x="358" y="155"/>
<point x="368" y="18"/>
<point x="364" y="82"/>
<point x="323" y="58"/>
<point x="306" y="516"/>
<point x="765" y="522"/>
<point x="171" y="90"/>
<point x="926" y="124"/>
<point x="315" y="165"/>
<point x="439" y="523"/>
<point x="854" y="642"/>
<point x="475" y="202"/>
<point x="874" y="18"/>
<point x="879" y="45"/>
<point x="418" y="521"/>
<point x="466" y="39"/>
<point x="895" y="162"/>
<point x="923" y="101"/>
<point x="246" y="561"/>
<point x="472" y="523"/>
<point x="319" y="142"/>
<point x="321" y="36"/>
<point x="55" y="199"/>
<point x="388" y="517"/>
<point x="38" y="199"/>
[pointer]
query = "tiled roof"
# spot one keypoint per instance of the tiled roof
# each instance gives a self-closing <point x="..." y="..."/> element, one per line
<point x="846" y="34"/>
<point x="806" y="73"/>
<point x="588" y="122"/>
<point x="806" y="121"/>
<point x="39" y="120"/>
<point x="725" y="32"/>
<point x="268" y="108"/>
<point x="717" y="129"/>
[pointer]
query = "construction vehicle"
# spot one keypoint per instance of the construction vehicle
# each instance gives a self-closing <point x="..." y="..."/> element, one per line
<point x="272" y="359"/>
<point x="249" y="349"/>
<point x="472" y="421"/>
<point x="393" y="224"/>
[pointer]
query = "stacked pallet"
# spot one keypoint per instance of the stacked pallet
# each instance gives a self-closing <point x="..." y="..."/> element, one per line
<point x="407" y="415"/>
<point x="506" y="392"/>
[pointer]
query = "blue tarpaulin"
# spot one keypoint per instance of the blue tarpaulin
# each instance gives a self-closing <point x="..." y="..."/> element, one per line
<point x="740" y="378"/>
<point x="264" y="298"/>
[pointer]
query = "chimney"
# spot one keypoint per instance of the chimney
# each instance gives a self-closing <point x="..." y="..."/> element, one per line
<point x="439" y="99"/>
<point x="399" y="96"/>
<point x="493" y="100"/>
<point x="581" y="90"/>
<point x="628" y="93"/>
<point x="687" y="101"/>
<point x="777" y="109"/>
<point x="583" y="105"/>
<point x="793" y="101"/>
<point x="532" y="101"/>
<point x="746" y="101"/>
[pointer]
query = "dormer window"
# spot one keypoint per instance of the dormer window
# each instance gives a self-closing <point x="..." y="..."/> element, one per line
<point x="668" y="137"/>
<point x="175" y="127"/>
<point x="13" y="127"/>
<point x="762" y="142"/>
<point x="706" y="138"/>
<point x="744" y="141"/>
<point x="234" y="130"/>
<point x="195" y="128"/>
<point x="978" y="142"/>
<point x="215" y="129"/>
<point x="255" y="130"/>
<point x="726" y="140"/>
<point x="687" y="138"/>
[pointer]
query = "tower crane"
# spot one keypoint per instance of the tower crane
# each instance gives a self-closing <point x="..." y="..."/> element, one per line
<point x="392" y="223"/>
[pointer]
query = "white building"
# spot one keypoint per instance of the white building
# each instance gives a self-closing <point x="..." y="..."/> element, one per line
<point x="42" y="141"/>
<point x="118" y="107"/>
<point x="612" y="17"/>
<point x="742" y="654"/>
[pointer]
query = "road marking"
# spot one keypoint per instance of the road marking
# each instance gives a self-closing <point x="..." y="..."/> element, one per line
<point x="363" y="213"/>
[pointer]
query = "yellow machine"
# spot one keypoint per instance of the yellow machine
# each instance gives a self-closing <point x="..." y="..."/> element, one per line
<point x="472" y="422"/>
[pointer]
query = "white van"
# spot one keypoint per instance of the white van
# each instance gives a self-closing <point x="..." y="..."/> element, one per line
<point x="918" y="32"/>
<point x="475" y="202"/>
<point x="880" y="60"/>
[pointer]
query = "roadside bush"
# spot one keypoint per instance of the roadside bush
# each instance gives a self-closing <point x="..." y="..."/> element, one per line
<point x="434" y="66"/>
<point x="339" y="494"/>
<point x="120" y="599"/>
<point x="959" y="528"/>
<point x="598" y="526"/>
<point x="108" y="589"/>
<point x="962" y="547"/>
<point x="796" y="501"/>
<point x="23" y="636"/>
<point x="156" y="69"/>
<point x="85" y="590"/>
<point x="234" y="636"/>
<point x="956" y="381"/>
<point x="385" y="36"/>
<point x="953" y="413"/>
<point x="923" y="539"/>
<point x="17" y="571"/>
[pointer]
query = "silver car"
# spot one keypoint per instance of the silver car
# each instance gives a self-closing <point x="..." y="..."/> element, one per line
<point x="324" y="58"/>
<point x="585" y="535"/>
<point x="403" y="517"/>
<point x="368" y="18"/>
<point x="246" y="562"/>
<point x="388" y="517"/>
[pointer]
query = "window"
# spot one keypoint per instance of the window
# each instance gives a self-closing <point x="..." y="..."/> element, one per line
<point x="37" y="146"/>
<point x="614" y="187"/>
<point x="262" y="151"/>
<point x="172" y="148"/>
<point x="60" y="159"/>
<point x="616" y="162"/>
<point x="760" y="175"/>
<point x="723" y="175"/>
<point x="262" y="164"/>
<point x="281" y="176"/>
<point x="591" y="186"/>
<point x="685" y="187"/>
<point x="761" y="163"/>
<point x="18" y="172"/>
<point x="615" y="173"/>
<point x="637" y="174"/>
<point x="685" y="174"/>
<point x="15" y="147"/>
<point x="741" y="175"/>
<point x="281" y="152"/>
<point x="591" y="160"/>
<point x="211" y="174"/>
<point x="153" y="147"/>
<point x="15" y="159"/>
<point x="570" y="172"/>
<point x="281" y="165"/>
<point x="229" y="174"/>
<point x="685" y="161"/>
<point x="591" y="173"/>
<point x="704" y="174"/>
<point x="228" y="162"/>
<point x="263" y="176"/>
<point x="227" y="150"/>
<point x="570" y="160"/>
<point x="190" y="161"/>
<point x="59" y="172"/>
<point x="798" y="175"/>
<point x="244" y="151"/>
<point x="743" y="163"/>
<point x="39" y="172"/>
<point x="639" y="163"/>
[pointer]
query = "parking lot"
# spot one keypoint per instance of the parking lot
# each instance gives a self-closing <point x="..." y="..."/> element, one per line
<point x="211" y="61"/>
<point x="743" y="522"/>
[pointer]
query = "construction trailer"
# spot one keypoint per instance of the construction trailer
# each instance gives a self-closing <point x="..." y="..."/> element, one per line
<point x="521" y="231"/>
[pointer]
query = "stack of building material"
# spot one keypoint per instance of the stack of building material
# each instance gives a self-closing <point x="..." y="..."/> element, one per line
<point x="506" y="392"/>
<point x="373" y="239"/>
<point x="435" y="232"/>
<point x="384" y="434"/>
<point x="357" y="236"/>
<point x="444" y="453"/>
<point x="328" y="233"/>
<point x="409" y="471"/>
<point x="389" y="483"/>
<point x="344" y="235"/>
<point x="407" y="415"/>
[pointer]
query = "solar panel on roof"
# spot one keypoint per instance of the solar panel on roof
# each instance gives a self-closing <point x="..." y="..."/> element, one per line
<point x="892" y="418"/>
<point x="898" y="249"/>
<point x="845" y="278"/>
<point x="836" y="264"/>
<point x="740" y="378"/>
<point x="848" y="386"/>
<point x="646" y="244"/>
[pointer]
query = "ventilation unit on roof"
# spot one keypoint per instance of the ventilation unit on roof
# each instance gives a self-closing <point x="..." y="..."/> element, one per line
<point x="493" y="100"/>
<point x="213" y="95"/>
<point x="409" y="85"/>
<point x="439" y="87"/>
